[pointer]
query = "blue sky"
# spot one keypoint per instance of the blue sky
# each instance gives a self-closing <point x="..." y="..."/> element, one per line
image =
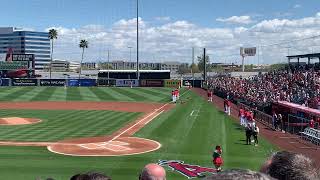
<point x="166" y="25"/>
<point x="40" y="14"/>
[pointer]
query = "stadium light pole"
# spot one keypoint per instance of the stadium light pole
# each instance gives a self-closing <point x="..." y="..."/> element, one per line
<point x="192" y="64"/>
<point x="130" y="53"/>
<point x="108" y="65"/>
<point x="204" y="65"/>
<point x="138" y="75"/>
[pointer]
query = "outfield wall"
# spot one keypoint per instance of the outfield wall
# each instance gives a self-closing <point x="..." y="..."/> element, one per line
<point x="92" y="82"/>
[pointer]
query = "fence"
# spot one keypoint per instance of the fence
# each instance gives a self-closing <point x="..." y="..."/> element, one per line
<point x="296" y="124"/>
<point x="88" y="82"/>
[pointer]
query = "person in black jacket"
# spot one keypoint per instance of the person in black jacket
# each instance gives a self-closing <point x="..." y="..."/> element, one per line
<point x="248" y="133"/>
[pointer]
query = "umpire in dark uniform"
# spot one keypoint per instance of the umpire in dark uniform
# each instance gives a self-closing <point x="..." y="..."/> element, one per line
<point x="248" y="133"/>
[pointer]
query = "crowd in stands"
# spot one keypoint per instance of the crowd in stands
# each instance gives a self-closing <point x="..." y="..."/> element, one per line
<point x="300" y="87"/>
<point x="282" y="165"/>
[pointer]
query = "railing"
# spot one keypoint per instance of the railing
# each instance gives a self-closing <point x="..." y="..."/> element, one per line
<point x="296" y="124"/>
<point x="259" y="116"/>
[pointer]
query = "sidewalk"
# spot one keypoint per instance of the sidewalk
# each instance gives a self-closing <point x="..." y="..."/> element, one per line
<point x="284" y="141"/>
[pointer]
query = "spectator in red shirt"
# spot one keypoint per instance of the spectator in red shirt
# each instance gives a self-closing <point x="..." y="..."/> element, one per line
<point x="311" y="123"/>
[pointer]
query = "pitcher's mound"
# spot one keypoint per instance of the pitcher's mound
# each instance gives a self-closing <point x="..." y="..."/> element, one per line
<point x="18" y="121"/>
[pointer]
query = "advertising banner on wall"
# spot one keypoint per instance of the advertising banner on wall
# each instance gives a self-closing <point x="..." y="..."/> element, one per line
<point x="4" y="82"/>
<point x="106" y="82"/>
<point x="83" y="82"/>
<point x="172" y="83"/>
<point x="24" y="82"/>
<point x="152" y="83"/>
<point x="127" y="83"/>
<point x="52" y="82"/>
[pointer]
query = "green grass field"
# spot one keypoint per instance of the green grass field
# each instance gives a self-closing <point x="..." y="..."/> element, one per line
<point x="62" y="124"/>
<point x="183" y="136"/>
<point x="84" y="94"/>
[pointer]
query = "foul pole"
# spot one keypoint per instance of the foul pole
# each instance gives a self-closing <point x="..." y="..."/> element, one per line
<point x="138" y="75"/>
<point x="192" y="66"/>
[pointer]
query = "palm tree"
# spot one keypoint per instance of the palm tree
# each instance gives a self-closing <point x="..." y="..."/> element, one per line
<point x="53" y="34"/>
<point x="83" y="44"/>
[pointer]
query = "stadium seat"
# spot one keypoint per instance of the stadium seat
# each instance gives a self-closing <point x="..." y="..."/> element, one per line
<point x="312" y="135"/>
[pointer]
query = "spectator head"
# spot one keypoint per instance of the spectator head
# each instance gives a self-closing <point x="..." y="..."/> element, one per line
<point x="286" y="165"/>
<point x="90" y="176"/>
<point x="239" y="174"/>
<point x="153" y="172"/>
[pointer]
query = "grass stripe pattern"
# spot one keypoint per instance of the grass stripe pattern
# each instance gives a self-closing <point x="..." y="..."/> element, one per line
<point x="23" y="94"/>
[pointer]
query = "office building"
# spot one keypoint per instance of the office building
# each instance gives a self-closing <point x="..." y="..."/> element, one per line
<point x="60" y="65"/>
<point x="89" y="65"/>
<point x="26" y="42"/>
<point x="172" y="66"/>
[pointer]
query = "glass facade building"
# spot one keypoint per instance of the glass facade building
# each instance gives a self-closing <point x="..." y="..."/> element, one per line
<point x="27" y="42"/>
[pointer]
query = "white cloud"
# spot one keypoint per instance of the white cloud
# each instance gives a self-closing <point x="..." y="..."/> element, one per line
<point x="163" y="18"/>
<point x="296" y="6"/>
<point x="236" y="20"/>
<point x="174" y="40"/>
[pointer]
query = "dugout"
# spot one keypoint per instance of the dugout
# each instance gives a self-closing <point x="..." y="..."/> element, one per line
<point x="296" y="117"/>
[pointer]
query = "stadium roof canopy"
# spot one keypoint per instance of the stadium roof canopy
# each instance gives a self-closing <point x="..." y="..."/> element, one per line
<point x="301" y="56"/>
<point x="311" y="56"/>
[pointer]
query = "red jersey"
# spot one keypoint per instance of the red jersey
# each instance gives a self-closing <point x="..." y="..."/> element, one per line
<point x="251" y="116"/>
<point x="172" y="93"/>
<point x="228" y="103"/>
<point x="176" y="92"/>
<point x="209" y="94"/>
<point x="311" y="123"/>
<point x="241" y="112"/>
<point x="248" y="116"/>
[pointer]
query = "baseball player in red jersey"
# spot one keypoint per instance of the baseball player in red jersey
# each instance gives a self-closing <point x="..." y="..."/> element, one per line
<point x="175" y="95"/>
<point x="246" y="117"/>
<point x="172" y="96"/>
<point x="210" y="96"/>
<point x="241" y="116"/>
<point x="227" y="106"/>
<point x="178" y="94"/>
<point x="249" y="117"/>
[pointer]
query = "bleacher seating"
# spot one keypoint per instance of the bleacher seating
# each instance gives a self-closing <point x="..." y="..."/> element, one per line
<point x="312" y="135"/>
